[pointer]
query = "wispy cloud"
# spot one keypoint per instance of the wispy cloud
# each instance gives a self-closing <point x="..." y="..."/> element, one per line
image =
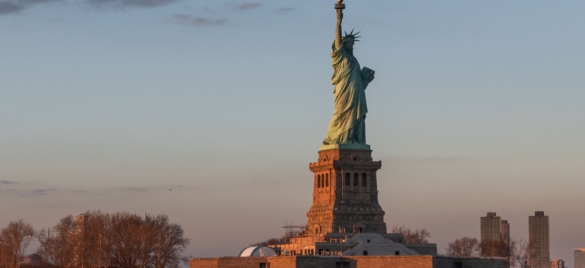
<point x="121" y="4"/>
<point x="245" y="6"/>
<point x="134" y="189"/>
<point x="39" y="192"/>
<point x="9" y="7"/>
<point x="286" y="9"/>
<point x="15" y="6"/>
<point x="80" y="192"/>
<point x="8" y="182"/>
<point x="197" y="21"/>
<point x="34" y="2"/>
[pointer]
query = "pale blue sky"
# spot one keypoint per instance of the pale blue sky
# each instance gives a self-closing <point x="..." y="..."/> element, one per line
<point x="108" y="104"/>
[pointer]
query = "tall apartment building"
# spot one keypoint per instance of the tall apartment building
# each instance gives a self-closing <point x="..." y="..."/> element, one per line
<point x="538" y="239"/>
<point x="580" y="258"/>
<point x="491" y="227"/>
<point x="557" y="263"/>
<point x="505" y="234"/>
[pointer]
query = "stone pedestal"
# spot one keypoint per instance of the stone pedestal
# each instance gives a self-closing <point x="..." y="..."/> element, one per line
<point x="345" y="195"/>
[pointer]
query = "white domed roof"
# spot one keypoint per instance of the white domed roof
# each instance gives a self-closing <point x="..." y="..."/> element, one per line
<point x="258" y="251"/>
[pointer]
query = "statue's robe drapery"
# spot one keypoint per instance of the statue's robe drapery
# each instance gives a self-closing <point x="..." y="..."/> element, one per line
<point x="348" y="125"/>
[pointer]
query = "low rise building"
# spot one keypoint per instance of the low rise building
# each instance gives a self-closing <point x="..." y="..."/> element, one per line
<point x="350" y="262"/>
<point x="557" y="263"/>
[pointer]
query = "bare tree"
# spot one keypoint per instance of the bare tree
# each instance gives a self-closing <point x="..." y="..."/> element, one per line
<point x="57" y="245"/>
<point x="169" y="242"/>
<point x="123" y="240"/>
<point x="492" y="249"/>
<point x="96" y="239"/>
<point x="498" y="249"/>
<point x="522" y="253"/>
<point x="412" y="236"/>
<point x="463" y="247"/>
<point x="14" y="240"/>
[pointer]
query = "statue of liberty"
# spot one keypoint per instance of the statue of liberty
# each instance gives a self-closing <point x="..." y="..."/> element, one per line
<point x="348" y="125"/>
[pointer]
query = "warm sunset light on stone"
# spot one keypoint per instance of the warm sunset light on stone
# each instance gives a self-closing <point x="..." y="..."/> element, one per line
<point x="425" y="133"/>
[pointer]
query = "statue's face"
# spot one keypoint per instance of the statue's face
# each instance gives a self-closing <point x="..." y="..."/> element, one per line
<point x="349" y="44"/>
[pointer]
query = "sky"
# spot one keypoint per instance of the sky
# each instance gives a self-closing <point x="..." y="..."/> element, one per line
<point x="210" y="111"/>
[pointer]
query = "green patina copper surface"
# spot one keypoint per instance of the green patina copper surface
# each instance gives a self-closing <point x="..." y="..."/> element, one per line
<point x="348" y="125"/>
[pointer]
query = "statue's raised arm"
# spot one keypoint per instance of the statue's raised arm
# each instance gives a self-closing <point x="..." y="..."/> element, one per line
<point x="338" y="31"/>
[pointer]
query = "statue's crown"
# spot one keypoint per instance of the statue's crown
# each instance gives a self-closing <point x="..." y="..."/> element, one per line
<point x="352" y="36"/>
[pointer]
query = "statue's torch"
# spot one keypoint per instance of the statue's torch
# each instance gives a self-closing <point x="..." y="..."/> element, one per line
<point x="340" y="5"/>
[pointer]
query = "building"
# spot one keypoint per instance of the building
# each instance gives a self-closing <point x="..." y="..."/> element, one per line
<point x="349" y="262"/>
<point x="346" y="227"/>
<point x="494" y="232"/>
<point x="345" y="218"/>
<point x="557" y="263"/>
<point x="345" y="223"/>
<point x="505" y="234"/>
<point x="80" y="222"/>
<point x="580" y="258"/>
<point x="491" y="227"/>
<point x="538" y="239"/>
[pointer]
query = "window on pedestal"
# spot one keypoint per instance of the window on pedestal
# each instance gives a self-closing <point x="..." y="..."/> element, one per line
<point x="326" y="180"/>
<point x="347" y="179"/>
<point x="364" y="180"/>
<point x="318" y="181"/>
<point x="355" y="180"/>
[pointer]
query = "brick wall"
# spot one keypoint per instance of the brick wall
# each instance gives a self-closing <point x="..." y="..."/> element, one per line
<point x="393" y="261"/>
<point x="203" y="263"/>
<point x="353" y="261"/>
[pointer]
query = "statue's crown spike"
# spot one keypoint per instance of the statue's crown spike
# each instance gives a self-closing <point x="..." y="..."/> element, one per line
<point x="352" y="35"/>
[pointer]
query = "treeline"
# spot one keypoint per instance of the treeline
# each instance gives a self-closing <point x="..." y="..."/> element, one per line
<point x="517" y="252"/>
<point x="97" y="239"/>
<point x="412" y="236"/>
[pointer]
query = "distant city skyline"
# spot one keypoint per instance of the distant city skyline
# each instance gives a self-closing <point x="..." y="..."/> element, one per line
<point x="477" y="106"/>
